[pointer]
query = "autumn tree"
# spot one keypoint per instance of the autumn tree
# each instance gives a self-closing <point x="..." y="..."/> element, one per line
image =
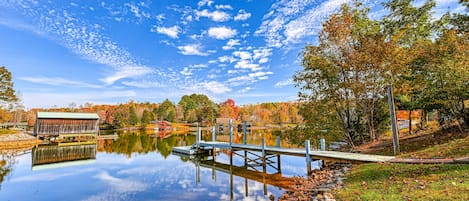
<point x="228" y="109"/>
<point x="346" y="75"/>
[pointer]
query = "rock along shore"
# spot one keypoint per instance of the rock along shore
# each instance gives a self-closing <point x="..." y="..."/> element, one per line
<point x="319" y="184"/>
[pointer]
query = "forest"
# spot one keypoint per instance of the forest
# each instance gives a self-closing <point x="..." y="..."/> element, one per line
<point x="344" y="81"/>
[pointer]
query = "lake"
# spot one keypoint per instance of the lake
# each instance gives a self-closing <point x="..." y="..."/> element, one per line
<point x="140" y="166"/>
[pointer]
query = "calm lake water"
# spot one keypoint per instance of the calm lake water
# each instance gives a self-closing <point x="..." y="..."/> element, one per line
<point x="140" y="166"/>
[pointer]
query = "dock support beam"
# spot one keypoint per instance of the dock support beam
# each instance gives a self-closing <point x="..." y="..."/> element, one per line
<point x="278" y="141"/>
<point x="214" y="137"/>
<point x="323" y="144"/>
<point x="231" y="131"/>
<point x="198" y="135"/>
<point x="308" y="157"/>
<point x="244" y="132"/>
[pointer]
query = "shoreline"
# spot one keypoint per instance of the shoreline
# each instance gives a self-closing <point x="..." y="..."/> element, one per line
<point x="319" y="184"/>
<point x="17" y="141"/>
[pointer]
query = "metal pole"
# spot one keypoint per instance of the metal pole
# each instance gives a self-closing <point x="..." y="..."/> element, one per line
<point x="278" y="141"/>
<point x="244" y="132"/>
<point x="392" y="113"/>
<point x="231" y="131"/>
<point x="308" y="157"/>
<point x="263" y="148"/>
<point x="323" y="144"/>
<point x="214" y="137"/>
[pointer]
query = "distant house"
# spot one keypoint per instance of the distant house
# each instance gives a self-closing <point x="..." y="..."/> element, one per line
<point x="66" y="123"/>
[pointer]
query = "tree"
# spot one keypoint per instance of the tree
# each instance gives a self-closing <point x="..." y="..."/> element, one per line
<point x="7" y="93"/>
<point x="133" y="119"/>
<point x="166" y="111"/>
<point x="410" y="26"/>
<point x="228" y="109"/>
<point x="146" y="117"/>
<point x="204" y="108"/>
<point x="347" y="74"/>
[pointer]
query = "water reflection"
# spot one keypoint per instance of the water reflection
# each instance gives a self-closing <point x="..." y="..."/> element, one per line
<point x="140" y="166"/>
<point x="61" y="155"/>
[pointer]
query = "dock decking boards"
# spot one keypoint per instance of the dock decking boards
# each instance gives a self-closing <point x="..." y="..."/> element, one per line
<point x="327" y="155"/>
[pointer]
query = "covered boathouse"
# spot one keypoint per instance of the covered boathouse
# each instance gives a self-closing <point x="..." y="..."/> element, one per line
<point x="66" y="124"/>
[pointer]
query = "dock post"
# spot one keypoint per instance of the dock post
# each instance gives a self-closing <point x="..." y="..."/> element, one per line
<point x="308" y="157"/>
<point x="198" y="135"/>
<point x="214" y="137"/>
<point x="231" y="131"/>
<point x="278" y="141"/>
<point x="263" y="148"/>
<point x="323" y="144"/>
<point x="244" y="132"/>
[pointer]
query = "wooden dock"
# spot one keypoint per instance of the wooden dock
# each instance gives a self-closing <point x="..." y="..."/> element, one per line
<point x="323" y="155"/>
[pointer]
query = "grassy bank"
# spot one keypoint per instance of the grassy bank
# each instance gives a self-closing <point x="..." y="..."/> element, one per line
<point x="412" y="182"/>
<point x="406" y="182"/>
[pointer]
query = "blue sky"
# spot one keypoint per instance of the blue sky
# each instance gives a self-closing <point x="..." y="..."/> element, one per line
<point x="108" y="51"/>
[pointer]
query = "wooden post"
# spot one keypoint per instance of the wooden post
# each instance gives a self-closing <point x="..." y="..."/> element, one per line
<point x="392" y="113"/>
<point x="231" y="131"/>
<point x="244" y="132"/>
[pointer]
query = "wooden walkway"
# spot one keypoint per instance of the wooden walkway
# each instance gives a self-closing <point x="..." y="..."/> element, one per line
<point x="323" y="155"/>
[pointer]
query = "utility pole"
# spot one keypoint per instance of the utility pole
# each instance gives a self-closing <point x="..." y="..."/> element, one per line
<point x="392" y="113"/>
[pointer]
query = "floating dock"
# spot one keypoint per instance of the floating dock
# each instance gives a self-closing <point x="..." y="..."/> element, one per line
<point x="323" y="155"/>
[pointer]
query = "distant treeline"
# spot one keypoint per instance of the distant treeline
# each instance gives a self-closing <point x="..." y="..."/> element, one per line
<point x="191" y="108"/>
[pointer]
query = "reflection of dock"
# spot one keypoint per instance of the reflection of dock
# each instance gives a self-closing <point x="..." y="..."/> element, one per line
<point x="52" y="156"/>
<point x="275" y="179"/>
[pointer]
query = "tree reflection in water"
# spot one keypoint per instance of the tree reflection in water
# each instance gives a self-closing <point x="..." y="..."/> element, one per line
<point x="6" y="164"/>
<point x="142" y="142"/>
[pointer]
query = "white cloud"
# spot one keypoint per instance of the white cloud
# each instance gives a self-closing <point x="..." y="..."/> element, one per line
<point x="169" y="31"/>
<point x="45" y="99"/>
<point x="144" y="84"/>
<point x="224" y="7"/>
<point x="186" y="71"/>
<point x="242" y="15"/>
<point x="58" y="81"/>
<point x="217" y="16"/>
<point x="83" y="39"/>
<point x="121" y="185"/>
<point x="198" y="66"/>
<point x="222" y="32"/>
<point x="249" y="78"/>
<point x="283" y="83"/>
<point x="127" y="71"/>
<point x="292" y="21"/>
<point x="205" y="2"/>
<point x="225" y="58"/>
<point x="192" y="49"/>
<point x="136" y="10"/>
<point x="244" y="90"/>
<point x="230" y="44"/>
<point x="210" y="87"/>
<point x="244" y="55"/>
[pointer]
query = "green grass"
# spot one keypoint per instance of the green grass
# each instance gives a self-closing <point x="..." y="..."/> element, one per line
<point x="452" y="149"/>
<point x="406" y="182"/>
